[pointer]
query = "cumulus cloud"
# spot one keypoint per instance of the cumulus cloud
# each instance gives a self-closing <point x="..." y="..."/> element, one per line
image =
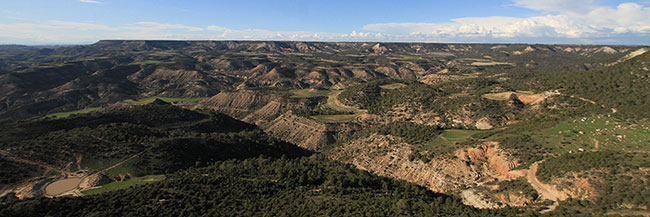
<point x="90" y="1"/>
<point x="578" y="19"/>
<point x="495" y="27"/>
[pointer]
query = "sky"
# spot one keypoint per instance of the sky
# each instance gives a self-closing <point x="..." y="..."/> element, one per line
<point x="38" y="22"/>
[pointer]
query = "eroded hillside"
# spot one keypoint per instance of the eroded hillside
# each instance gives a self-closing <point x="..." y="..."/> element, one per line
<point x="537" y="127"/>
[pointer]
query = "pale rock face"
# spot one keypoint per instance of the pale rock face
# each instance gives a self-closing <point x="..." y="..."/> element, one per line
<point x="237" y="103"/>
<point x="483" y="124"/>
<point x="274" y="115"/>
<point x="380" y="48"/>
<point x="607" y="50"/>
<point x="389" y="156"/>
<point x="301" y="131"/>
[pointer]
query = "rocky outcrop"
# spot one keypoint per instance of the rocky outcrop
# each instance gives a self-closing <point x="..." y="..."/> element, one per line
<point x="494" y="161"/>
<point x="266" y="114"/>
<point x="30" y="189"/>
<point x="513" y="199"/>
<point x="476" y="199"/>
<point x="380" y="48"/>
<point x="304" y="132"/>
<point x="483" y="124"/>
<point x="273" y="114"/>
<point x="237" y="104"/>
<point x="389" y="156"/>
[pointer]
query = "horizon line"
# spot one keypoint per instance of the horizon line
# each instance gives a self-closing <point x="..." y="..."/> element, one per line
<point x="323" y="41"/>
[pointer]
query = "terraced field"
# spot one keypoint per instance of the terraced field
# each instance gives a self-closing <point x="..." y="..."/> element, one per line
<point x="67" y="114"/>
<point x="308" y="93"/>
<point x="335" y="118"/>
<point x="124" y="184"/>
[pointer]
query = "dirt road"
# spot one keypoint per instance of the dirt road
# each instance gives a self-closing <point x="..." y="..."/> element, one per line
<point x="334" y="103"/>
<point x="544" y="190"/>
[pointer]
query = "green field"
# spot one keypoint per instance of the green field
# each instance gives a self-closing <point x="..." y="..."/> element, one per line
<point x="481" y="62"/>
<point x="66" y="114"/>
<point x="335" y="118"/>
<point x="308" y="93"/>
<point x="331" y="103"/>
<point x="445" y="143"/>
<point x="91" y="59"/>
<point x="164" y="53"/>
<point x="610" y="133"/>
<point x="451" y="137"/>
<point x="124" y="184"/>
<point x="168" y="99"/>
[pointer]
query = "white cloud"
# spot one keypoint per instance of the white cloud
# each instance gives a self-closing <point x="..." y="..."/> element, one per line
<point x="626" y="23"/>
<point x="90" y="1"/>
<point x="217" y="28"/>
<point x="66" y="32"/>
<point x="587" y="22"/>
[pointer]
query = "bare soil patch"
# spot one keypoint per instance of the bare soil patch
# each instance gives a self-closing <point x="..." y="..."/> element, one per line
<point x="62" y="186"/>
<point x="526" y="97"/>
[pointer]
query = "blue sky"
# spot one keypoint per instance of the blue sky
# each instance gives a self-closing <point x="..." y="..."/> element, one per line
<point x="508" y="21"/>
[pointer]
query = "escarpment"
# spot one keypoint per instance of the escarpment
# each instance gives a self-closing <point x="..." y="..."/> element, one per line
<point x="274" y="115"/>
<point x="389" y="156"/>
<point x="236" y="104"/>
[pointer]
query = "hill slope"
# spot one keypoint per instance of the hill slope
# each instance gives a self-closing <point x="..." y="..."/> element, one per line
<point x="155" y="138"/>
<point x="260" y="186"/>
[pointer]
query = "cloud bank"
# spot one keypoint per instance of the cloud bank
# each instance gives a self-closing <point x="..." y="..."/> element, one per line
<point x="577" y="21"/>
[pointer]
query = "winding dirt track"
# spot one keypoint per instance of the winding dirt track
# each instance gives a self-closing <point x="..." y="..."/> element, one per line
<point x="584" y="99"/>
<point x="334" y="103"/>
<point x="545" y="191"/>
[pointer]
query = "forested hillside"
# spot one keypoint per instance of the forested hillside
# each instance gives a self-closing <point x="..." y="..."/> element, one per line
<point x="156" y="138"/>
<point x="309" y="186"/>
